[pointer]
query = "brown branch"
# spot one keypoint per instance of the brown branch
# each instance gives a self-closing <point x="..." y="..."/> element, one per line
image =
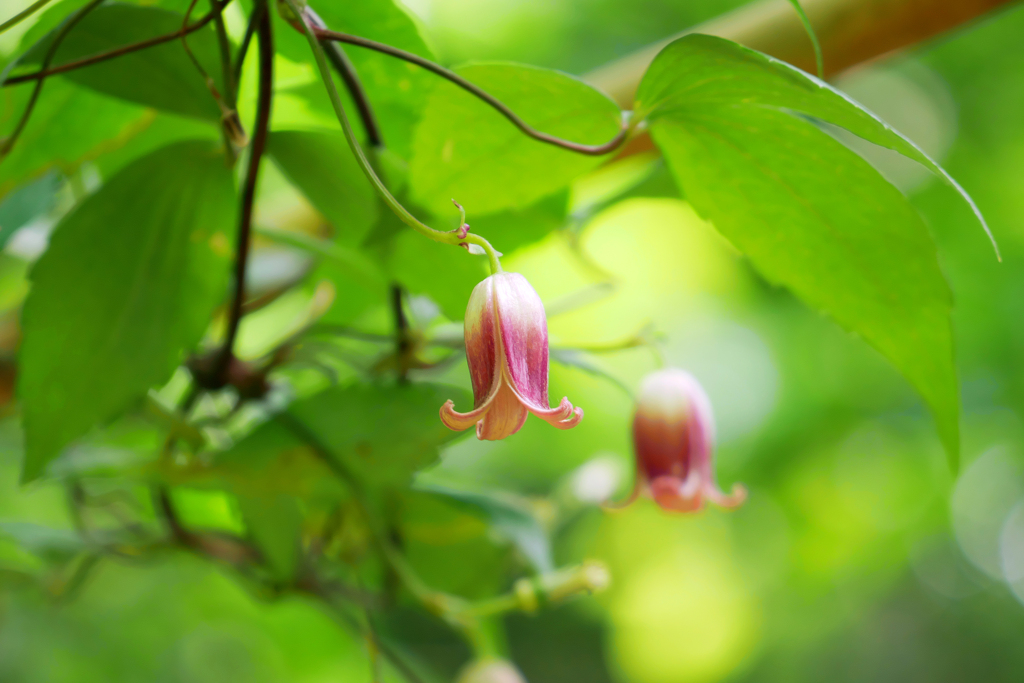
<point x="851" y="32"/>
<point x="593" y="150"/>
<point x="117" y="52"/>
<point x="265" y="38"/>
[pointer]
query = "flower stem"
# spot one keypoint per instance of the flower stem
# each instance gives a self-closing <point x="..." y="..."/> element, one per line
<point x="444" y="237"/>
<point x="340" y="61"/>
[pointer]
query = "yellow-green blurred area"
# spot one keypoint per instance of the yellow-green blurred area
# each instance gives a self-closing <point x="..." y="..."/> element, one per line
<point x="858" y="555"/>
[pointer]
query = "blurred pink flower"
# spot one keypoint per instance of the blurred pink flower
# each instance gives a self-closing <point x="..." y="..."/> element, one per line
<point x="673" y="436"/>
<point x="507" y="347"/>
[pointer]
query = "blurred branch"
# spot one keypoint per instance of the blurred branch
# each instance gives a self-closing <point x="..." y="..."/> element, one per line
<point x="117" y="52"/>
<point x="851" y="32"/>
<point x="264" y="35"/>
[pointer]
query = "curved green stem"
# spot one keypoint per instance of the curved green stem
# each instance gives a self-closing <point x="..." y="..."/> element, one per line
<point x="454" y="237"/>
<point x="22" y="15"/>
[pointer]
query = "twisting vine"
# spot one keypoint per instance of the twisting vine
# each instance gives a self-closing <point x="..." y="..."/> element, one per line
<point x="458" y="236"/>
<point x="324" y="34"/>
<point x="51" y="51"/>
<point x="117" y="52"/>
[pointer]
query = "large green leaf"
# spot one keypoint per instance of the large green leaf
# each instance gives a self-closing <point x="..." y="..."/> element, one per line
<point x="704" y="72"/>
<point x="162" y="76"/>
<point x="127" y="285"/>
<point x="815" y="217"/>
<point x="322" y="166"/>
<point x="68" y="126"/>
<point x="466" y="150"/>
<point x="810" y="214"/>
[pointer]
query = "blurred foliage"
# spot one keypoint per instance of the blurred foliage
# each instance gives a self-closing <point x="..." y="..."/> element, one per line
<point x="313" y="520"/>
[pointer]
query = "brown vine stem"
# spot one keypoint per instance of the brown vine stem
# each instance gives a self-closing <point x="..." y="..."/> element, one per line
<point x="323" y="34"/>
<point x="8" y="144"/>
<point x="117" y="52"/>
<point x="403" y="341"/>
<point x="264" y="35"/>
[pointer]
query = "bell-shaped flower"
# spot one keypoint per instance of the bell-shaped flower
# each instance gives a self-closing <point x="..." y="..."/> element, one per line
<point x="673" y="436"/>
<point x="507" y="347"/>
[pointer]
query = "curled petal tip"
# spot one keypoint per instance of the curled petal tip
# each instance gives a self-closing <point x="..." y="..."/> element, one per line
<point x="729" y="501"/>
<point x="455" y="420"/>
<point x="563" y="416"/>
<point x="574" y="419"/>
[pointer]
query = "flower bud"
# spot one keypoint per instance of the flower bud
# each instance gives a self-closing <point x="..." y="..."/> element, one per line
<point x="673" y="436"/>
<point x="490" y="671"/>
<point x="507" y="347"/>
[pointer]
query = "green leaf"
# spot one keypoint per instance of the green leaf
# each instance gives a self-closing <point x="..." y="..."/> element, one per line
<point x="815" y="217"/>
<point x="383" y="434"/>
<point x="464" y="149"/>
<point x="68" y="126"/>
<point x="127" y="285"/>
<point x="508" y="516"/>
<point x="161" y="76"/>
<point x="699" y="72"/>
<point x="275" y="523"/>
<point x="322" y="166"/>
<point x="810" y="214"/>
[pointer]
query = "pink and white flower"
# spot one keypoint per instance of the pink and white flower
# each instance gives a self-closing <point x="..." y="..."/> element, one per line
<point x="673" y="436"/>
<point x="507" y="347"/>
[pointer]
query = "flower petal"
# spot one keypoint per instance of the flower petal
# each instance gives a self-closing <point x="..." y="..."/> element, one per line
<point x="482" y="343"/>
<point x="670" y="494"/>
<point x="504" y="416"/>
<point x="523" y="328"/>
<point x="457" y="421"/>
<point x="730" y="501"/>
